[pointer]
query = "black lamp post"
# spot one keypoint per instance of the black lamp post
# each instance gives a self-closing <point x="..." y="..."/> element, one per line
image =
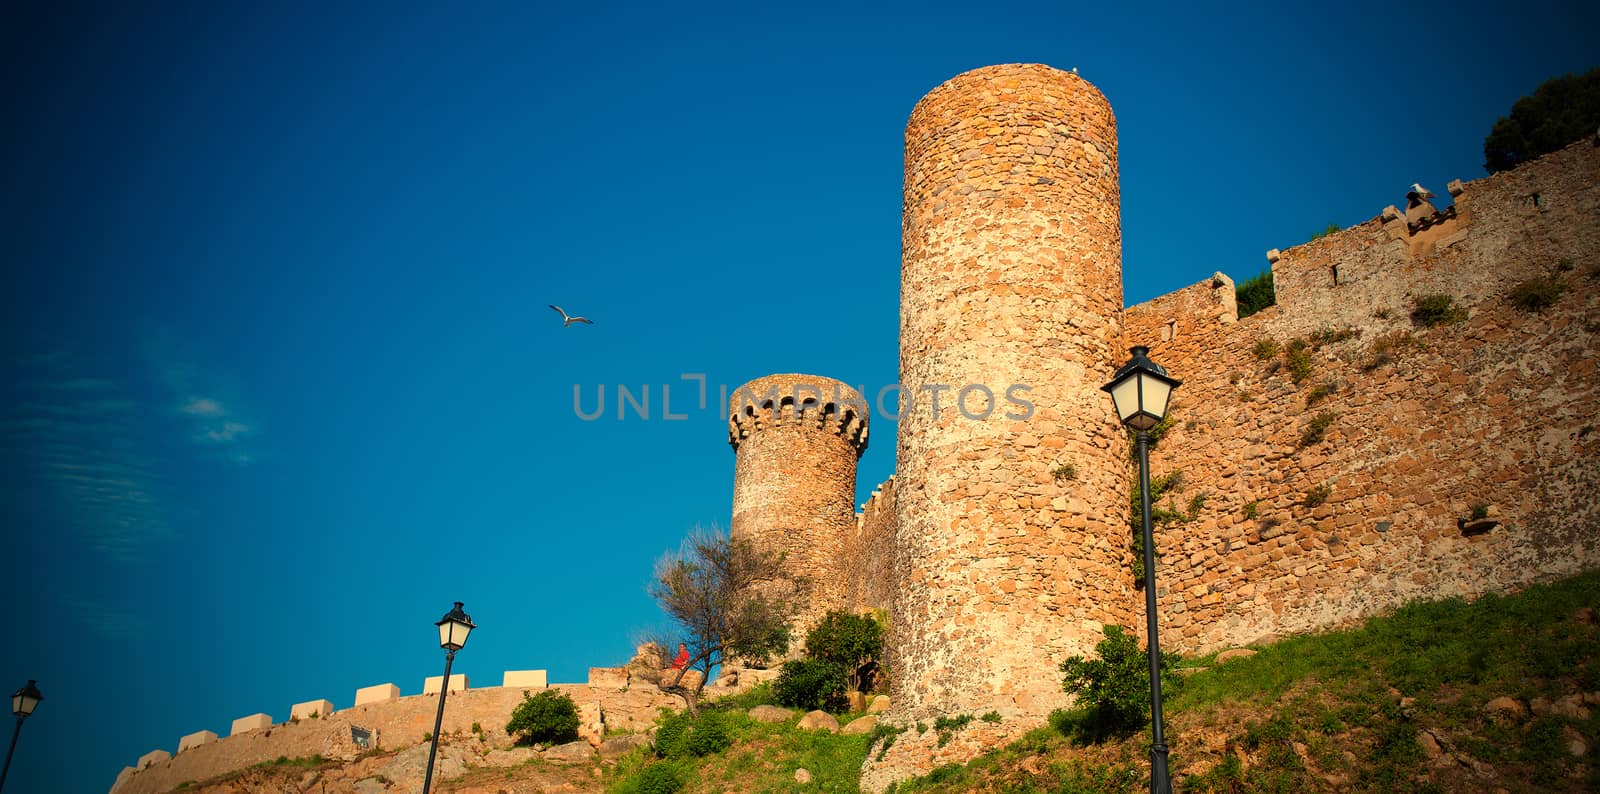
<point x="1140" y="391"/>
<point x="23" y="702"/>
<point x="453" y="630"/>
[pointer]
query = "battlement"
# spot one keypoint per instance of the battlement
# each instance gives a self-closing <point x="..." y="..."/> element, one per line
<point x="801" y="400"/>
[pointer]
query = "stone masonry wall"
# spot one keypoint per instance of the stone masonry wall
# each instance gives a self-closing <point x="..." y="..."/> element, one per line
<point x="395" y="724"/>
<point x="868" y="562"/>
<point x="1011" y="275"/>
<point x="796" y="440"/>
<point x="1425" y="423"/>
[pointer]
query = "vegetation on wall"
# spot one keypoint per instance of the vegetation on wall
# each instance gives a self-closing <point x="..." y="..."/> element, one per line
<point x="549" y="717"/>
<point x="1561" y="110"/>
<point x="1538" y="293"/>
<point x="1438" y="309"/>
<point x="1255" y="294"/>
<point x="1331" y="228"/>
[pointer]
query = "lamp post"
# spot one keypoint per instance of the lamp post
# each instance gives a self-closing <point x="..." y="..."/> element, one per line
<point x="453" y="630"/>
<point x="1140" y="391"/>
<point x="23" y="702"/>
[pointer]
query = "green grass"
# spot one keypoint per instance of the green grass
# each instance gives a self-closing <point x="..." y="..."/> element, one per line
<point x="1322" y="712"/>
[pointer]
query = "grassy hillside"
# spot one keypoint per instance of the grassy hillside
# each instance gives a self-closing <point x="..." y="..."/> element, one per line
<point x="1400" y="704"/>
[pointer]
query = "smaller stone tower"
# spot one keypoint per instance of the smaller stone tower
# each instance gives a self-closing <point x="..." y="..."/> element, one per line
<point x="796" y="440"/>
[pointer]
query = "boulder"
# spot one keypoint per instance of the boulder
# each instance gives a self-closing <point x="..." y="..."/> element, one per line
<point x="1234" y="653"/>
<point x="622" y="744"/>
<point x="571" y="751"/>
<point x="770" y="714"/>
<point x="516" y="756"/>
<point x="858" y="700"/>
<point x="802" y="776"/>
<point x="1505" y="709"/>
<point x="861" y="725"/>
<point x="819" y="721"/>
<point x="879" y="705"/>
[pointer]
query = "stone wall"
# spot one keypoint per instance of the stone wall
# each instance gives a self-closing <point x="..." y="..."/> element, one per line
<point x="1424" y="423"/>
<point x="392" y="724"/>
<point x="796" y="440"/>
<point x="869" y="557"/>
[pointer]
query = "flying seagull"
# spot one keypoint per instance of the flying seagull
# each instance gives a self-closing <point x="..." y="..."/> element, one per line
<point x="570" y="320"/>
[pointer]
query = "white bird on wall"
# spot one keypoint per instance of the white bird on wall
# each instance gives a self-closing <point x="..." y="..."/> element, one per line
<point x="566" y="320"/>
<point x="1422" y="192"/>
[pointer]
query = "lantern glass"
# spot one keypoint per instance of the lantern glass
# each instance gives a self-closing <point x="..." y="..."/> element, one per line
<point x="25" y="699"/>
<point x="454" y="628"/>
<point x="1140" y="392"/>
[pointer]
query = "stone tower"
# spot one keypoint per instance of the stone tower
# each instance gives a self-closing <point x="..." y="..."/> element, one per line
<point x="1012" y="542"/>
<point x="796" y="440"/>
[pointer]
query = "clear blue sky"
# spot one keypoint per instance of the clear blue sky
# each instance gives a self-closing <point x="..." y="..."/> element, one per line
<point x="279" y="379"/>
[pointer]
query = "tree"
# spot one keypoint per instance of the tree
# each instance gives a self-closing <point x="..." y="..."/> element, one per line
<point x="727" y="597"/>
<point x="1255" y="294"/>
<point x="1561" y="110"/>
<point x="852" y="642"/>
<point x="549" y="717"/>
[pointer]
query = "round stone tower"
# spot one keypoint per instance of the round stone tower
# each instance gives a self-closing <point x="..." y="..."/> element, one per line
<point x="796" y="440"/>
<point x="1012" y="545"/>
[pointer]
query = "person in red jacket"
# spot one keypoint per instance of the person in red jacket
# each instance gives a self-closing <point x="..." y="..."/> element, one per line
<point x="682" y="660"/>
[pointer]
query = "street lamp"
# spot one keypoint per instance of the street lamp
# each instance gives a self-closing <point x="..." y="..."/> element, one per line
<point x="453" y="630"/>
<point x="1140" y="391"/>
<point x="23" y="702"/>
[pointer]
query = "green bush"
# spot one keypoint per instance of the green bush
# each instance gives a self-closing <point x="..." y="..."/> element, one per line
<point x="1331" y="228"/>
<point x="710" y="734"/>
<point x="1317" y="428"/>
<point x="548" y="717"/>
<point x="1266" y="347"/>
<point x="1431" y="310"/>
<point x="656" y="778"/>
<point x="1113" y="691"/>
<point x="1298" y="359"/>
<point x="811" y="684"/>
<point x="1255" y="294"/>
<point x="1537" y="294"/>
<point x="672" y="736"/>
<point x="1316" y="496"/>
<point x="853" y="643"/>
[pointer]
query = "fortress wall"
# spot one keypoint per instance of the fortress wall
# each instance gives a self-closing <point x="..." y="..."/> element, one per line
<point x="869" y="557"/>
<point x="796" y="440"/>
<point x="395" y="724"/>
<point x="1492" y="410"/>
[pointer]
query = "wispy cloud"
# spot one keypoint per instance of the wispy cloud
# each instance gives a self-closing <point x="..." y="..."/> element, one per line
<point x="203" y="398"/>
<point x="83" y="437"/>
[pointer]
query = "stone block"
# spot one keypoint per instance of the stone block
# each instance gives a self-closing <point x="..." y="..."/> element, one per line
<point x="310" y="709"/>
<point x="196" y="739"/>
<point x="153" y="757"/>
<point x="431" y="684"/>
<point x="609" y="677"/>
<point x="1455" y="188"/>
<point x="250" y="723"/>
<point x="1391" y="213"/>
<point x="377" y="693"/>
<point x="122" y="777"/>
<point x="1274" y="255"/>
<point x="526" y="679"/>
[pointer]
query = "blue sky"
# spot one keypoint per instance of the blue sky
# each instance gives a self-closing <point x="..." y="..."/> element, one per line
<point x="280" y="383"/>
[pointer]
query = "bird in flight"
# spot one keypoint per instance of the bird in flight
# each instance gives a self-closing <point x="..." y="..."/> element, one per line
<point x="570" y="320"/>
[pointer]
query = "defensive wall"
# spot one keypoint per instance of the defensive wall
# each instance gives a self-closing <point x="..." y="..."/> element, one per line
<point x="614" y="698"/>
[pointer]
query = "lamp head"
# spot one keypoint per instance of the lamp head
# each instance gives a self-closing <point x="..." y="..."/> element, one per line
<point x="454" y="628"/>
<point x="1141" y="391"/>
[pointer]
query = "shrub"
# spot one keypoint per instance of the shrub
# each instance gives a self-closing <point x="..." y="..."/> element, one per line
<point x="1317" y="428"/>
<point x="852" y="642"/>
<point x="1537" y="294"/>
<point x="1316" y="496"/>
<point x="1266" y="347"/>
<point x="1320" y="393"/>
<point x="1331" y="228"/>
<point x="1065" y="471"/>
<point x="811" y="684"/>
<point x="657" y="779"/>
<point x="1251" y="510"/>
<point x="1113" y="691"/>
<point x="684" y="735"/>
<point x="991" y="717"/>
<point x="548" y="717"/>
<point x="1480" y="511"/>
<point x="672" y="735"/>
<point x="1430" y="310"/>
<point x="1385" y="348"/>
<point x="1298" y="359"/>
<point x="709" y="735"/>
<point x="1254" y="294"/>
